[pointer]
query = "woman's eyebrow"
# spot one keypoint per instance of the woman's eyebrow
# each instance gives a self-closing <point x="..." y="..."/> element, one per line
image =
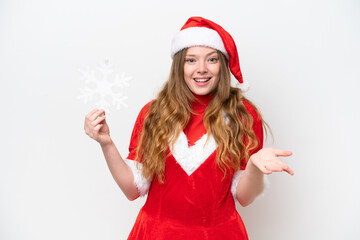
<point x="194" y="55"/>
<point x="211" y="53"/>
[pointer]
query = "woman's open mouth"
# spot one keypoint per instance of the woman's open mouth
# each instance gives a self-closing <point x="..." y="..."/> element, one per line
<point x="202" y="80"/>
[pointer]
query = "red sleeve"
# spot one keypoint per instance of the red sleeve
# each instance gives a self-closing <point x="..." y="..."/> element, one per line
<point x="136" y="133"/>
<point x="257" y="127"/>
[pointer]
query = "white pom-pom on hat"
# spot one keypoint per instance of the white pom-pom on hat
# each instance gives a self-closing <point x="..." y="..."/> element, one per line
<point x="245" y="86"/>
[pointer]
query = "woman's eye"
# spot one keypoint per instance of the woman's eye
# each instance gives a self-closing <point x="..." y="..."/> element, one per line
<point x="213" y="59"/>
<point x="190" y="60"/>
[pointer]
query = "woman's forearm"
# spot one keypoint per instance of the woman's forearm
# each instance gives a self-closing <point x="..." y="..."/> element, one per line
<point x="250" y="185"/>
<point x="120" y="171"/>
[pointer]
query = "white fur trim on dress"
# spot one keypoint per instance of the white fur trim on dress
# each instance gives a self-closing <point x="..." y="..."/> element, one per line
<point x="141" y="183"/>
<point x="237" y="175"/>
<point x="197" y="36"/>
<point x="191" y="158"/>
<point x="266" y="187"/>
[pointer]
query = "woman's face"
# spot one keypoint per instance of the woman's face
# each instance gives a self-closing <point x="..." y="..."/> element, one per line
<point x="201" y="70"/>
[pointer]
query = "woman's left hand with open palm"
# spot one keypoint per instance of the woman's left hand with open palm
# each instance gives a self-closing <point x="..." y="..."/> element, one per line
<point x="267" y="160"/>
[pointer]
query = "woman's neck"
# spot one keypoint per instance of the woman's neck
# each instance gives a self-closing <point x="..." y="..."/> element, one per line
<point x="201" y="101"/>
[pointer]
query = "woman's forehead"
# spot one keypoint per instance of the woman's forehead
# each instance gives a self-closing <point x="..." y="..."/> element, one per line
<point x="200" y="50"/>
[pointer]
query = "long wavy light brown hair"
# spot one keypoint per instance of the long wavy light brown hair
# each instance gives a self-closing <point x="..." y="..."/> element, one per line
<point x="226" y="119"/>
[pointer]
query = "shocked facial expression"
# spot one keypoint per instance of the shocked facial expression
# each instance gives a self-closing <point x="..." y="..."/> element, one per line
<point x="201" y="70"/>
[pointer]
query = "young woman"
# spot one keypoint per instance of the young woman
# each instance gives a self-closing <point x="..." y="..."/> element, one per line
<point x="196" y="148"/>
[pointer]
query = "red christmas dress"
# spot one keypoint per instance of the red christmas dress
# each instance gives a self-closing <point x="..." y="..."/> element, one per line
<point x="195" y="201"/>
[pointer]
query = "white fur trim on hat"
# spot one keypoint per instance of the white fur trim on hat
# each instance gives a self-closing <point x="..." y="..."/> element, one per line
<point x="237" y="175"/>
<point x="141" y="183"/>
<point x="197" y="36"/>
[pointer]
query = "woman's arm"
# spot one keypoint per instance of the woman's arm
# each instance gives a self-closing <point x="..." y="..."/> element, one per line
<point x="96" y="127"/>
<point x="265" y="161"/>
<point x="120" y="171"/>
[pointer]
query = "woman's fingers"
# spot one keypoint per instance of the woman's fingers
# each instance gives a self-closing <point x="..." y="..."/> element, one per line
<point x="91" y="113"/>
<point x="94" y="117"/>
<point x="268" y="160"/>
<point x="279" y="166"/>
<point x="97" y="128"/>
<point x="282" y="153"/>
<point x="92" y="121"/>
<point x="289" y="171"/>
<point x="95" y="114"/>
<point x="97" y="121"/>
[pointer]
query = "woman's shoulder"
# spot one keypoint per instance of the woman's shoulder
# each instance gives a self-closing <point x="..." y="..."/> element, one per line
<point x="145" y="109"/>
<point x="257" y="124"/>
<point x="141" y="117"/>
<point x="251" y="109"/>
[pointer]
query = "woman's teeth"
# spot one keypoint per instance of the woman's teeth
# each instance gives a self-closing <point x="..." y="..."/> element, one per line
<point x="201" y="79"/>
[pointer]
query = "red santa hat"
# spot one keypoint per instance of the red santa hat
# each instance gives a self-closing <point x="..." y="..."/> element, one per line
<point x="199" y="31"/>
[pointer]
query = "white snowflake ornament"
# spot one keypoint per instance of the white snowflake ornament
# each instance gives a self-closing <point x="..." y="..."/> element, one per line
<point x="107" y="90"/>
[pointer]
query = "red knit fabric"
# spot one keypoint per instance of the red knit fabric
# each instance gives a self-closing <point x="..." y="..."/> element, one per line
<point x="196" y="129"/>
<point x="199" y="206"/>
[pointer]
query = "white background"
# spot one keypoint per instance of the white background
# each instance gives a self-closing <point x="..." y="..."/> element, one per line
<point x="300" y="57"/>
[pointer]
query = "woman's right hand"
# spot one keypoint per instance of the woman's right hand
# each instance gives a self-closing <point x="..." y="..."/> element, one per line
<point x="96" y="127"/>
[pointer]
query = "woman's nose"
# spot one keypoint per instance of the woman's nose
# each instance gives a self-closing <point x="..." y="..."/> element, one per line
<point x="202" y="68"/>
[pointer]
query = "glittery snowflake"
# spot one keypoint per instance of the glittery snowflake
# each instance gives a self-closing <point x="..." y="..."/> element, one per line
<point x="106" y="90"/>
